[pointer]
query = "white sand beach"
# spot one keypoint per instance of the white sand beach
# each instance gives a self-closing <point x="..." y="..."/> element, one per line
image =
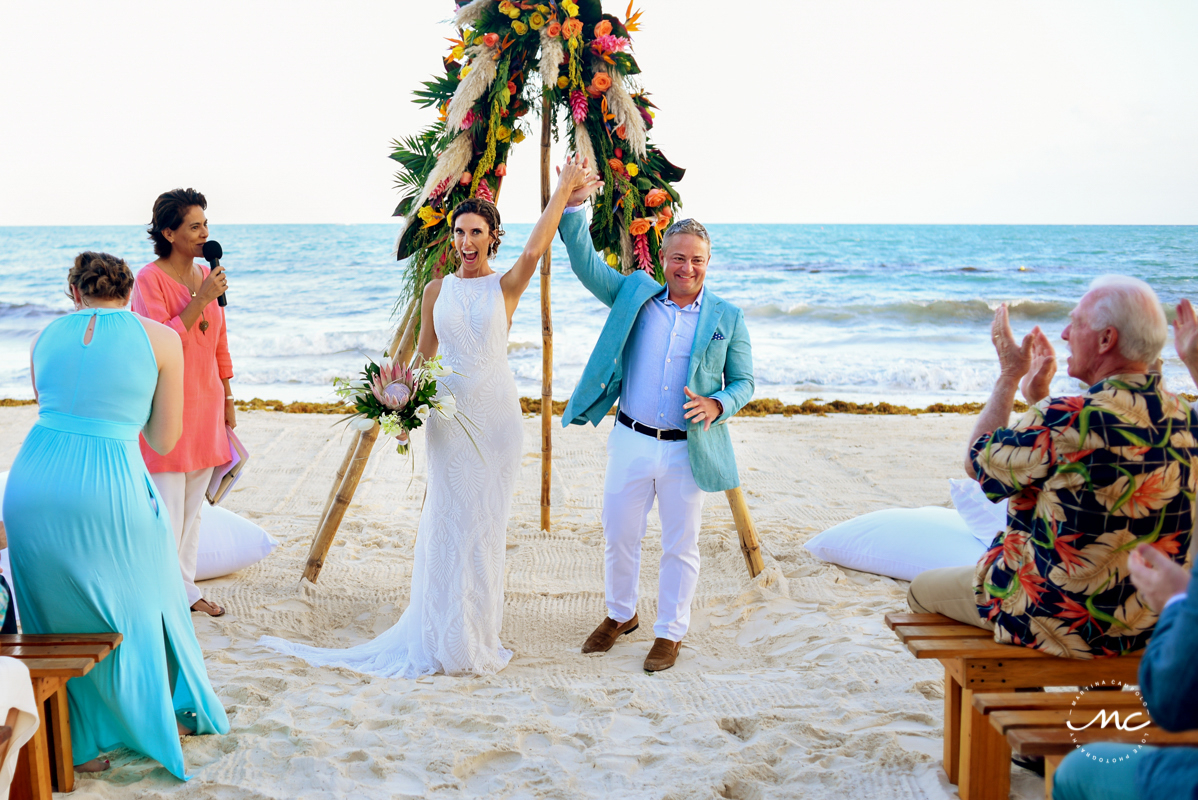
<point x="788" y="686"/>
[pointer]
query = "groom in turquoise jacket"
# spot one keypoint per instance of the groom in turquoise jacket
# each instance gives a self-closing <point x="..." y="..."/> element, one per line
<point x="678" y="360"/>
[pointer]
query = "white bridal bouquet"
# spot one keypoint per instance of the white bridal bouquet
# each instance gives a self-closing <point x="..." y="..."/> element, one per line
<point x="398" y="397"/>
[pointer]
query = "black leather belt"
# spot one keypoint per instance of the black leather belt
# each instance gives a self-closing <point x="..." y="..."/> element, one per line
<point x="668" y="435"/>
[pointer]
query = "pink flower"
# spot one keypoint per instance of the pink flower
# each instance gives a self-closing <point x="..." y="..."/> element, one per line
<point x="392" y="386"/>
<point x="578" y="106"/>
<point x="440" y="188"/>
<point x="484" y="192"/>
<point x="469" y="119"/>
<point x="610" y="44"/>
<point x="640" y="246"/>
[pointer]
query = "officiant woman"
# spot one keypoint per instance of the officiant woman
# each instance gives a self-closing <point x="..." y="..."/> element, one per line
<point x="180" y="293"/>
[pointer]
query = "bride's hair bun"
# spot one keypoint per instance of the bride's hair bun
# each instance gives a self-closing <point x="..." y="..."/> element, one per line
<point x="101" y="276"/>
<point x="487" y="210"/>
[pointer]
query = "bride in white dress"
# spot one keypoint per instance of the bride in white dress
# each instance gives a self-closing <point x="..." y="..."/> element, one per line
<point x="455" y="612"/>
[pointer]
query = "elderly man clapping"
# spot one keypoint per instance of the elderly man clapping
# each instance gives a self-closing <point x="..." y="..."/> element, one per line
<point x="1168" y="680"/>
<point x="1089" y="477"/>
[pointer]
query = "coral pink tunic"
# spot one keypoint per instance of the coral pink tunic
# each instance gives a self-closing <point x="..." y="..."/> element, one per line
<point x="206" y="362"/>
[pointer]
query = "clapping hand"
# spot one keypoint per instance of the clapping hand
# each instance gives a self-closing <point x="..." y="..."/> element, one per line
<point x="701" y="409"/>
<point x="1156" y="576"/>
<point x="1014" y="359"/>
<point x="575" y="176"/>
<point x="1035" y="385"/>
<point x="1185" y="334"/>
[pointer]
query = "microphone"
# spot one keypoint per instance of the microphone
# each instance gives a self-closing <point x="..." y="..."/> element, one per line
<point x="212" y="254"/>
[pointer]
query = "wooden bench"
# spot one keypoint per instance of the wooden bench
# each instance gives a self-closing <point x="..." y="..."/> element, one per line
<point x="46" y="763"/>
<point x="1031" y="730"/>
<point x="976" y="757"/>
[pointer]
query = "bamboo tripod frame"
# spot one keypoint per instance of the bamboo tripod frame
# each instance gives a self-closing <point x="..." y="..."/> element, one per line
<point x="546" y="331"/>
<point x="404" y="343"/>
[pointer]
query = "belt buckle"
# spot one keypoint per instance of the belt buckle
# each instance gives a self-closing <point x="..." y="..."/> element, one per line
<point x="657" y="433"/>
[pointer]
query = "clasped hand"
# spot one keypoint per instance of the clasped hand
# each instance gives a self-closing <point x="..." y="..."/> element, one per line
<point x="576" y="178"/>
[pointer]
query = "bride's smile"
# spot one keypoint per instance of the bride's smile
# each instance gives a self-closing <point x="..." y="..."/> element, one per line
<point x="474" y="242"/>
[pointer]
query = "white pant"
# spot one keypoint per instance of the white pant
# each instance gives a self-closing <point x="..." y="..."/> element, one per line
<point x="183" y="495"/>
<point x="640" y="468"/>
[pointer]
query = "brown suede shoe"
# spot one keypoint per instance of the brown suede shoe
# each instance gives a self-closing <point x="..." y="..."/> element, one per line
<point x="606" y="634"/>
<point x="662" y="655"/>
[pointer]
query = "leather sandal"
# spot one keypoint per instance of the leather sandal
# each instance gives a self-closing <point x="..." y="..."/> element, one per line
<point x="662" y="655"/>
<point x="606" y="634"/>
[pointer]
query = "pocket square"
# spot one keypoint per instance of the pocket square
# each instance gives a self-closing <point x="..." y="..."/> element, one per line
<point x="717" y="337"/>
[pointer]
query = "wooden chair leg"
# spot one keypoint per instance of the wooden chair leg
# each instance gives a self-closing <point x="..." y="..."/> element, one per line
<point x="1050" y="770"/>
<point x="985" y="767"/>
<point x="952" y="726"/>
<point x="32" y="779"/>
<point x="60" y="726"/>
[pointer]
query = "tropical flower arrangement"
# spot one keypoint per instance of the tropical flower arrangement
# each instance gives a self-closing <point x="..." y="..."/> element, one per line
<point x="510" y="56"/>
<point x="398" y="397"/>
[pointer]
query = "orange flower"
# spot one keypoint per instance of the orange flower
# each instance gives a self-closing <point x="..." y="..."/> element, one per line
<point x="601" y="82"/>
<point x="664" y="217"/>
<point x="640" y="226"/>
<point x="616" y="165"/>
<point x="571" y="28"/>
<point x="602" y="28"/>
<point x="554" y="28"/>
<point x="622" y="132"/>
<point x="655" y="198"/>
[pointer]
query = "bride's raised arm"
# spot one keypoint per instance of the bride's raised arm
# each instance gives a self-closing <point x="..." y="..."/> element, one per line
<point x="573" y="186"/>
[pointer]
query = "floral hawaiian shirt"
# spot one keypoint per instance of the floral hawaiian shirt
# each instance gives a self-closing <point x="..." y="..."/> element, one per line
<point x="1089" y="479"/>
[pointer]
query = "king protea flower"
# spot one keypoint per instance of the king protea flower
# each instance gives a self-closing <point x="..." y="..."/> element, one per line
<point x="393" y="385"/>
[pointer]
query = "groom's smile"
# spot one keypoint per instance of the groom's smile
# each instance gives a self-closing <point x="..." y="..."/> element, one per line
<point x="684" y="263"/>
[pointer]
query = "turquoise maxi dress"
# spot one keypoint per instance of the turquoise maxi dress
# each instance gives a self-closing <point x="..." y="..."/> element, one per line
<point x="91" y="545"/>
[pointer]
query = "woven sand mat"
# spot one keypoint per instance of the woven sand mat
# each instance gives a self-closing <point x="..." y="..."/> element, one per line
<point x="787" y="685"/>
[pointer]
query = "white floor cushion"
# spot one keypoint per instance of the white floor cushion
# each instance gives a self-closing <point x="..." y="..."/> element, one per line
<point x="900" y="542"/>
<point x="984" y="518"/>
<point x="229" y="543"/>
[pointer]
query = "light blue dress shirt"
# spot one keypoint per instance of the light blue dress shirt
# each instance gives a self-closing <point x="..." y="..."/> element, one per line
<point x="657" y="359"/>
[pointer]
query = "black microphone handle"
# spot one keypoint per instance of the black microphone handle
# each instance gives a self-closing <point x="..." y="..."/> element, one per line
<point x="222" y="301"/>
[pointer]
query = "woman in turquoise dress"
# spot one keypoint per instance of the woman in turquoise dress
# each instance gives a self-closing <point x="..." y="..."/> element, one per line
<point x="91" y="545"/>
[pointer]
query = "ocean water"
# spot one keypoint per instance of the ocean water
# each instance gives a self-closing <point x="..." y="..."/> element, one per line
<point x="854" y="312"/>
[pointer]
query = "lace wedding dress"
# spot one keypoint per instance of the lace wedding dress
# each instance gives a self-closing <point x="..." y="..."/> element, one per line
<point x="452" y="621"/>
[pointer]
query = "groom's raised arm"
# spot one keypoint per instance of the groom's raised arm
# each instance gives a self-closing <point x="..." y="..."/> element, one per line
<point x="600" y="279"/>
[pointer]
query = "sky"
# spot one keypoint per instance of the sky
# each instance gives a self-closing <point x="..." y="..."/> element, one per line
<point x="793" y="111"/>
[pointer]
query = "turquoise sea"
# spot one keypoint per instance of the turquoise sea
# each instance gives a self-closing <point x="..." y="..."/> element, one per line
<point x="854" y="312"/>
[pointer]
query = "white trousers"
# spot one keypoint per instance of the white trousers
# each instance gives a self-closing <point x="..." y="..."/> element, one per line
<point x="640" y="468"/>
<point x="183" y="494"/>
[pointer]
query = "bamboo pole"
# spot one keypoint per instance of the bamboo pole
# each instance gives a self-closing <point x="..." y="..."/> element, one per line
<point x="546" y="331"/>
<point x="345" y="483"/>
<point x="749" y="544"/>
<point x="345" y="493"/>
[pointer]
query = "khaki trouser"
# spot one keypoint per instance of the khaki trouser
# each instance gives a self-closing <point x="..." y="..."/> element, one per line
<point x="947" y="591"/>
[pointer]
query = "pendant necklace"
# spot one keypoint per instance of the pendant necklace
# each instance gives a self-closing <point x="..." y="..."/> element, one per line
<point x="203" y="319"/>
